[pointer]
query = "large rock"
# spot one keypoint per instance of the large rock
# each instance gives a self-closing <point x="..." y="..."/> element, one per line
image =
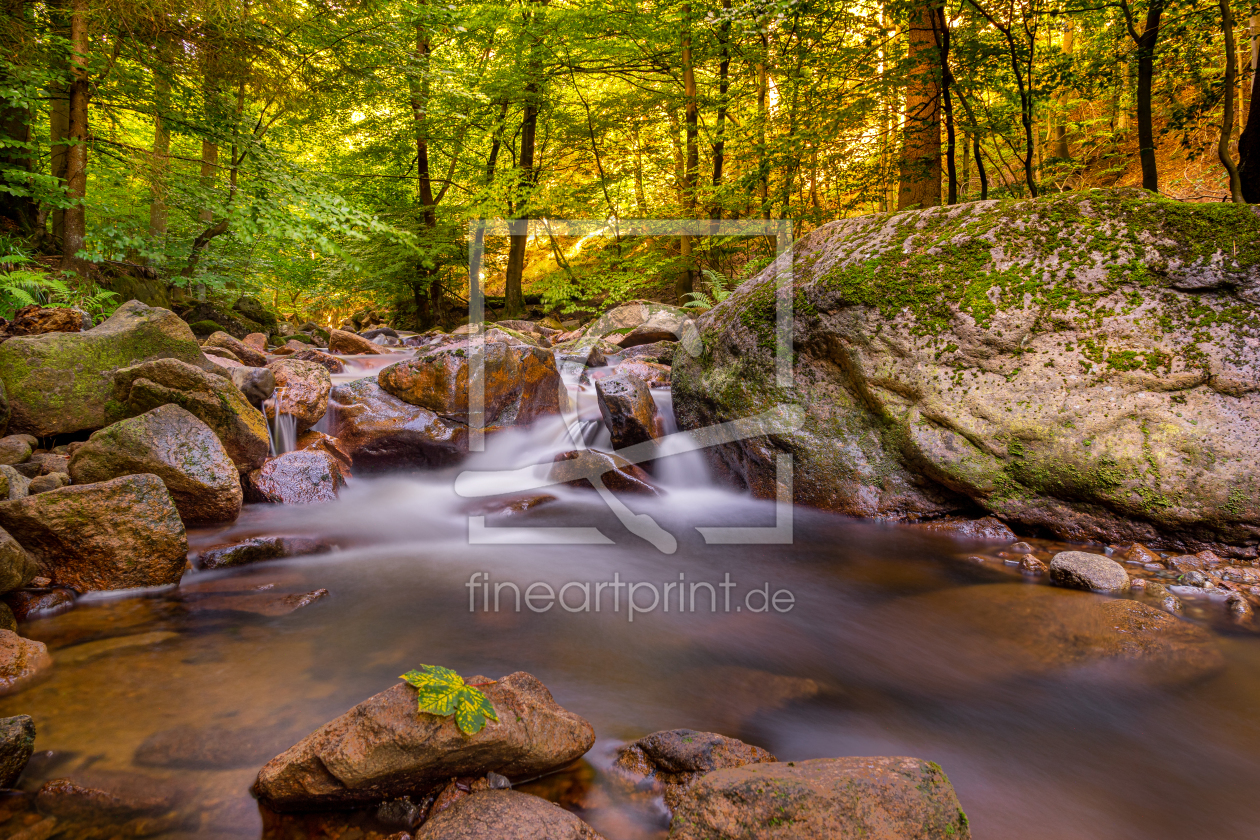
<point x="379" y="430"/>
<point x="331" y="363"/>
<point x="17" y="567"/>
<point x="213" y="399"/>
<point x="383" y="748"/>
<point x="1085" y="363"/>
<point x="505" y="815"/>
<point x="14" y="449"/>
<point x="232" y="323"/>
<point x="297" y="478"/>
<point x="4" y="408"/>
<point x="876" y="798"/>
<point x="1082" y="570"/>
<point x="174" y="445"/>
<point x="521" y="382"/>
<point x="638" y="322"/>
<point x="61" y="382"/>
<point x="301" y="390"/>
<point x="256" y="383"/>
<point x="349" y="344"/>
<point x="22" y="662"/>
<point x="629" y="412"/>
<point x="676" y="758"/>
<point x="17" y="745"/>
<point x="117" y="534"/>
<point x="252" y="308"/>
<point x="242" y="351"/>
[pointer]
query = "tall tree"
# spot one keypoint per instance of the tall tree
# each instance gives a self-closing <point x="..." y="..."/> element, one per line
<point x="75" y="233"/>
<point x="685" y="283"/>
<point x="1146" y="40"/>
<point x="1227" y="118"/>
<point x="920" y="174"/>
<point x="514" y="297"/>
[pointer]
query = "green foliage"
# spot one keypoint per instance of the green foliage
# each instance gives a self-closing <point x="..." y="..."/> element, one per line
<point x="21" y="287"/>
<point x="440" y="691"/>
<point x="720" y="288"/>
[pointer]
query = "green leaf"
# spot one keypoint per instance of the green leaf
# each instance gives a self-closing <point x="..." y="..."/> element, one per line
<point x="440" y="691"/>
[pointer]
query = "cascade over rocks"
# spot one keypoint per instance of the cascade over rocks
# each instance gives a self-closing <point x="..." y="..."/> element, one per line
<point x="302" y="390"/>
<point x="880" y="798"/>
<point x="383" y="748"/>
<point x="629" y="412"/>
<point x="174" y="445"/>
<point x="213" y="399"/>
<point x="1087" y="363"/>
<point x="521" y="382"/>
<point x="61" y="382"/>
<point x="379" y="430"/>
<point x="116" y="534"/>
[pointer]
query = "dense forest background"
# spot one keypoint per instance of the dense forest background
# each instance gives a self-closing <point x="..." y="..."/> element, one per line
<point x="329" y="155"/>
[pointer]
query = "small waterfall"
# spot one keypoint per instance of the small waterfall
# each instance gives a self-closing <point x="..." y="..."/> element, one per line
<point x="282" y="428"/>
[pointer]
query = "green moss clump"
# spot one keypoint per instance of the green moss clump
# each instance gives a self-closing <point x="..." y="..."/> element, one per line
<point x="205" y="328"/>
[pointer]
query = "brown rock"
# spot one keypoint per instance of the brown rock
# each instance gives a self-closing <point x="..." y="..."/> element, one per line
<point x="22" y="662"/>
<point x="629" y="412"/>
<point x="331" y="363"/>
<point x="267" y="604"/>
<point x="215" y="400"/>
<point x="209" y="748"/>
<point x="68" y="800"/>
<point x="297" y="478"/>
<point x="259" y="549"/>
<point x="383" y="748"/>
<point x="17" y="744"/>
<point x="349" y="344"/>
<point x="44" y="483"/>
<point x="115" y="534"/>
<point x="302" y="390"/>
<point x="178" y="448"/>
<point x="505" y="815"/>
<point x="1139" y="553"/>
<point x="676" y="758"/>
<point x="242" y="351"/>
<point x="14" y="449"/>
<point x="37" y="320"/>
<point x="27" y="604"/>
<point x="314" y="441"/>
<point x="876" y="798"/>
<point x="51" y="462"/>
<point x="218" y="355"/>
<point x="17" y="567"/>
<point x="378" y="429"/>
<point x="521" y="383"/>
<point x="615" y="472"/>
<point x="656" y="376"/>
<point x="1082" y="570"/>
<point x="986" y="528"/>
<point x="257" y="341"/>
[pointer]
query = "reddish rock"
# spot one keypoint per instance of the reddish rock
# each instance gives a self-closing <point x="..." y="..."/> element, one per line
<point x="267" y="604"/>
<point x="27" y="604"/>
<point x="383" y="748"/>
<point x="302" y="390"/>
<point x="676" y="758"/>
<point x="114" y="534"/>
<point x="314" y="441"/>
<point x="242" y="351"/>
<point x="258" y="549"/>
<point x="985" y="528"/>
<point x="297" y="478"/>
<point x="257" y="341"/>
<point x="616" y="473"/>
<point x="22" y="662"/>
<point x="629" y="412"/>
<point x="379" y="430"/>
<point x="331" y="363"/>
<point x="349" y="344"/>
<point x="656" y="376"/>
<point x="504" y="815"/>
<point x="38" y="320"/>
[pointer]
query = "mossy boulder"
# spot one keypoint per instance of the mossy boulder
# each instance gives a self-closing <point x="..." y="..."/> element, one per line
<point x="1087" y="363"/>
<point x="251" y="308"/>
<point x="61" y="382"/>
<point x="233" y="323"/>
<point x="4" y="409"/>
<point x="172" y="444"/>
<point x="202" y="329"/>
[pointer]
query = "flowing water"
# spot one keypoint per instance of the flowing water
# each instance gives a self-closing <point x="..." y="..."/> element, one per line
<point x="850" y="669"/>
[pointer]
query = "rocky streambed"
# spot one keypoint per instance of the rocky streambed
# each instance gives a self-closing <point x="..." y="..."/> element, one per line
<point x="221" y="547"/>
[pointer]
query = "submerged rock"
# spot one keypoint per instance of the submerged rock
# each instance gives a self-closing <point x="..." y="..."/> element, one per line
<point x="1081" y="570"/>
<point x="61" y="382"/>
<point x="302" y="390"/>
<point x="213" y="399"/>
<point x="521" y="383"/>
<point x="258" y="549"/>
<point x="379" y="430"/>
<point x="22" y="662"/>
<point x="881" y="798"/>
<point x="505" y="815"/>
<point x="629" y="412"/>
<point x="172" y="444"/>
<point x="1032" y="357"/>
<point x="383" y="748"/>
<point x="17" y="744"/>
<point x="986" y="528"/>
<point x="676" y="758"/>
<point x="210" y="748"/>
<point x="115" y="534"/>
<point x="297" y="478"/>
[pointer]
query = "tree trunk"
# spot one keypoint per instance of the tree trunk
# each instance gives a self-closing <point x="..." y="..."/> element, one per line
<point x="640" y="197"/>
<point x="15" y="125"/>
<point x="920" y="181"/>
<point x="763" y="117"/>
<point x="77" y="135"/>
<point x="160" y="162"/>
<point x="514" y="299"/>
<point x="1145" y="81"/>
<point x="685" y="284"/>
<point x="59" y="112"/>
<point x="424" y="190"/>
<point x="1059" y="147"/>
<point x="940" y="32"/>
<point x="1249" y="140"/>
<point x="1227" y="118"/>
<point x="724" y="86"/>
<point x="209" y="148"/>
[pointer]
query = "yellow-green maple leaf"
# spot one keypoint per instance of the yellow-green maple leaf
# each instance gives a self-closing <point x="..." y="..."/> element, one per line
<point x="441" y="691"/>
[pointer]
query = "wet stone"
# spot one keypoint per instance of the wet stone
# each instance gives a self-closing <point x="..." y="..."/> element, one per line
<point x="1080" y="570"/>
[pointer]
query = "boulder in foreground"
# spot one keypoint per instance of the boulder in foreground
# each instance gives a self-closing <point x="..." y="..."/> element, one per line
<point x="60" y="382"/>
<point x="505" y="815"/>
<point x="302" y="477"/>
<point x="383" y="748"/>
<point x="877" y="798"/>
<point x="172" y="444"/>
<point x="116" y="534"/>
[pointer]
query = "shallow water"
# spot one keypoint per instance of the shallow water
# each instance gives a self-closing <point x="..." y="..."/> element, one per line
<point x="1032" y="755"/>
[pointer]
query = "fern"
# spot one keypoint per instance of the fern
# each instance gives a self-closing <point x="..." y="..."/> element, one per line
<point x="21" y="287"/>
<point x="720" y="289"/>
